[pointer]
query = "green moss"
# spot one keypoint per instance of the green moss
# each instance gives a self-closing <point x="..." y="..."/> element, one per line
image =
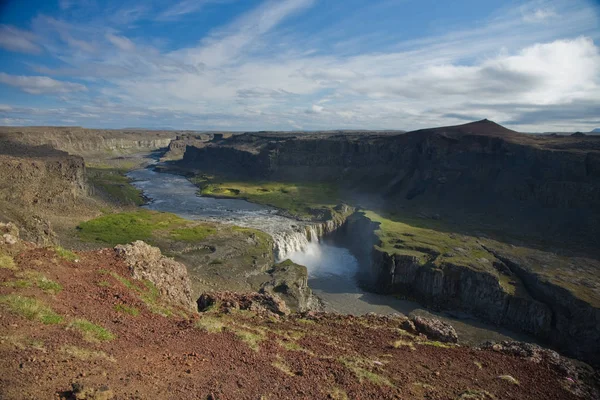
<point x="31" y="309"/>
<point x="104" y="284"/>
<point x="210" y="324"/>
<point x="34" y="278"/>
<point x="403" y="343"/>
<point x="115" y="185"/>
<point x="250" y="336"/>
<point x="127" y="227"/>
<point x="282" y="366"/>
<point x="359" y="368"/>
<point x="85" y="354"/>
<point x="510" y="379"/>
<point x="299" y="199"/>
<point x="7" y="262"/>
<point x="123" y="308"/>
<point x="338" y="394"/>
<point x="90" y="331"/>
<point x="193" y="234"/>
<point x="65" y="254"/>
<point x="434" y="248"/>
<point x="149" y="294"/>
<point x="435" y="343"/>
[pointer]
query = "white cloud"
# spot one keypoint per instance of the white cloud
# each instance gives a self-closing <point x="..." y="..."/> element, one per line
<point x="40" y="84"/>
<point x="223" y="46"/>
<point x="257" y="72"/>
<point x="15" y="39"/>
<point x="184" y="7"/>
<point x="539" y="15"/>
<point x="120" y="42"/>
<point x="315" y="109"/>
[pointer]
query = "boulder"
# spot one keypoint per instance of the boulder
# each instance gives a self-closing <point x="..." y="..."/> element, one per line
<point x="435" y="329"/>
<point x="261" y="303"/>
<point x="169" y="276"/>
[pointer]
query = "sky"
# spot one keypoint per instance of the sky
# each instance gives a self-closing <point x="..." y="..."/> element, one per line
<point x="531" y="65"/>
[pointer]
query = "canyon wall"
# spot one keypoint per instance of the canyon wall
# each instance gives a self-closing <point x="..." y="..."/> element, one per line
<point x="542" y="308"/>
<point x="83" y="141"/>
<point x="553" y="183"/>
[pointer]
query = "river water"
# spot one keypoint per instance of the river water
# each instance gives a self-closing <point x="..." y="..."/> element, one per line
<point x="332" y="269"/>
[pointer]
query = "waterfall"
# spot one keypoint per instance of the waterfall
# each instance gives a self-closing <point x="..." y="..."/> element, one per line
<point x="298" y="239"/>
<point x="288" y="242"/>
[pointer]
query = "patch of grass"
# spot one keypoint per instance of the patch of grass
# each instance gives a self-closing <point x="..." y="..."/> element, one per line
<point x="338" y="394"/>
<point x="125" y="309"/>
<point x="127" y="227"/>
<point x="510" y="379"/>
<point x="34" y="278"/>
<point x="282" y="366"/>
<point x="86" y="354"/>
<point x="403" y="343"/>
<point x="305" y="321"/>
<point x="31" y="309"/>
<point x="23" y="343"/>
<point x="7" y="262"/>
<point x="476" y="394"/>
<point x="104" y="284"/>
<point x="290" y="345"/>
<point x="250" y="336"/>
<point x="435" y="343"/>
<point x="359" y="368"/>
<point x="299" y="199"/>
<point x="193" y="234"/>
<point x="149" y="294"/>
<point x="210" y="324"/>
<point x="65" y="254"/>
<point x="90" y="331"/>
<point x="115" y="185"/>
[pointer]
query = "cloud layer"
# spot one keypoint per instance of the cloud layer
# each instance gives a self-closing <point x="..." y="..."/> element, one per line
<point x="535" y="67"/>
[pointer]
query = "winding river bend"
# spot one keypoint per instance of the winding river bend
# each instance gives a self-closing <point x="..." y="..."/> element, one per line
<point x="332" y="269"/>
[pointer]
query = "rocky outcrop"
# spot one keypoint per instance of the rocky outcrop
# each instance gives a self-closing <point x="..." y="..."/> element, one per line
<point x="435" y="329"/>
<point x="579" y="379"/>
<point x="575" y="323"/>
<point x="169" y="276"/>
<point x="260" y="303"/>
<point x="40" y="176"/>
<point x="290" y="282"/>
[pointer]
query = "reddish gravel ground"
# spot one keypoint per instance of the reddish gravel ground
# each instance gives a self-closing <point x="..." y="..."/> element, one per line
<point x="238" y="355"/>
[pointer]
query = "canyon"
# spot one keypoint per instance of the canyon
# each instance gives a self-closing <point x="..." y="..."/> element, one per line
<point x="524" y="201"/>
<point x="475" y="222"/>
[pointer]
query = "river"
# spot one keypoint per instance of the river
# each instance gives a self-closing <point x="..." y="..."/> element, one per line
<point x="332" y="269"/>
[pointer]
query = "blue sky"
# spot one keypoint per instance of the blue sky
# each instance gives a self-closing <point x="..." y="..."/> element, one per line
<point x="532" y="65"/>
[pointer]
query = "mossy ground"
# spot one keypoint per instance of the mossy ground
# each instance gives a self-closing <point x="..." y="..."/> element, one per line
<point x="7" y="261"/>
<point x="433" y="246"/>
<point x="126" y="227"/>
<point x="31" y="308"/>
<point x="303" y="200"/>
<point x="65" y="254"/>
<point x="28" y="279"/>
<point x="90" y="331"/>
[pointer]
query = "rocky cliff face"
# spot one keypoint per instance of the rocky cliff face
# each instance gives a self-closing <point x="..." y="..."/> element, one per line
<point x="553" y="182"/>
<point x="543" y="309"/>
<point x="40" y="176"/>
<point x="82" y="141"/>
<point x="170" y="277"/>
